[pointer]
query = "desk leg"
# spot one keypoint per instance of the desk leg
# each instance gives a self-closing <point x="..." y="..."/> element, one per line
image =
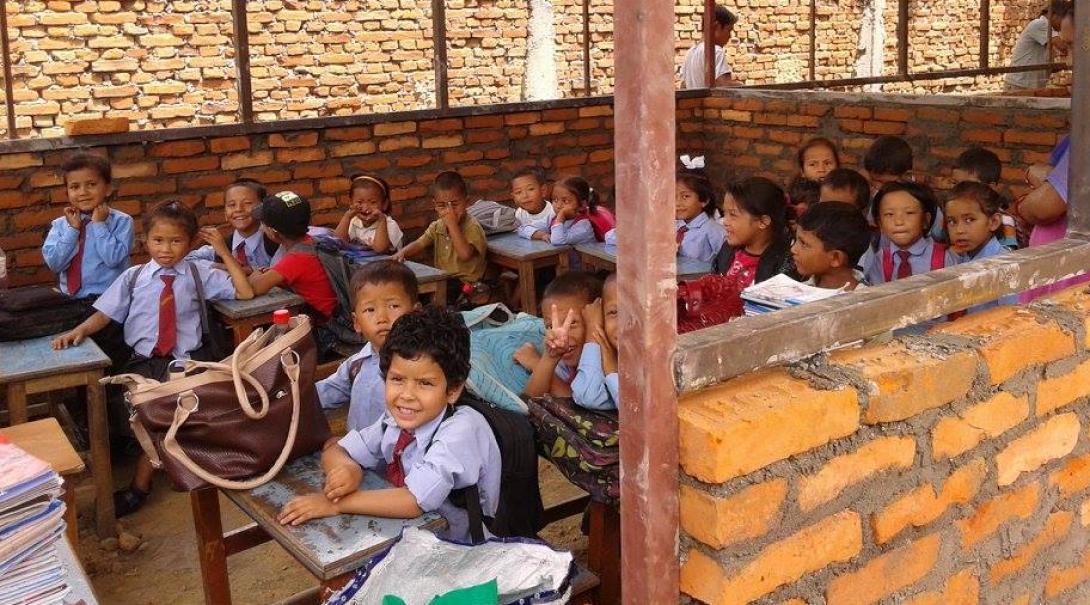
<point x="17" y="413"/>
<point x="439" y="297"/>
<point x="604" y="551"/>
<point x="101" y="468"/>
<point x="527" y="288"/>
<point x="332" y="585"/>
<point x="563" y="263"/>
<point x="211" y="550"/>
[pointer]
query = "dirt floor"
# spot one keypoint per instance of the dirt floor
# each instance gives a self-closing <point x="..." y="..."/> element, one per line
<point x="163" y="568"/>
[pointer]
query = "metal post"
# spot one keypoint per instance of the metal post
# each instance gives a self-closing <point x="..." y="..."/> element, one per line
<point x="439" y="57"/>
<point x="813" y="39"/>
<point x="902" y="37"/>
<point x="242" y="60"/>
<point x="5" y="47"/>
<point x="985" y="33"/>
<point x="1078" y="182"/>
<point x="645" y="160"/>
<point x="709" y="43"/>
<point x="586" y="48"/>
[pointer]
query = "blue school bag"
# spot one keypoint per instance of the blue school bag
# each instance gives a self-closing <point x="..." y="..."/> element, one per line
<point x="495" y="334"/>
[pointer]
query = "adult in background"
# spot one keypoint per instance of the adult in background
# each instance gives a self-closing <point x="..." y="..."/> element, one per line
<point x="1032" y="46"/>
<point x="692" y="68"/>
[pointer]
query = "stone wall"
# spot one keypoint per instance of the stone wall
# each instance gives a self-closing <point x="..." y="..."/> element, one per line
<point x="947" y="468"/>
<point x="171" y="64"/>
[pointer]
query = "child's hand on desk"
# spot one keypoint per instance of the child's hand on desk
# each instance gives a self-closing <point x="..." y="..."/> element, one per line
<point x="342" y="480"/>
<point x="301" y="509"/>
<point x="68" y="339"/>
<point x="399" y="256"/>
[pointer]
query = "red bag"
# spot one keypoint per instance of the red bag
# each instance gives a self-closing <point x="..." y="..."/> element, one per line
<point x="708" y="301"/>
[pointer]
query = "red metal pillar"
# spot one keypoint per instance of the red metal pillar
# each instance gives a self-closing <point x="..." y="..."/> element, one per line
<point x="1078" y="188"/>
<point x="645" y="163"/>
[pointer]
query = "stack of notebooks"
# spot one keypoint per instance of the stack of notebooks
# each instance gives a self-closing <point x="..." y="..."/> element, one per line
<point x="781" y="292"/>
<point x="31" y="522"/>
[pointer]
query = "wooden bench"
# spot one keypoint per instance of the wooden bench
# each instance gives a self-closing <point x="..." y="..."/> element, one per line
<point x="525" y="257"/>
<point x="32" y="366"/>
<point x="331" y="549"/>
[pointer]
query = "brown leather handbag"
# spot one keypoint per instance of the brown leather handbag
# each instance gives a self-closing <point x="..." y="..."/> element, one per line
<point x="232" y="424"/>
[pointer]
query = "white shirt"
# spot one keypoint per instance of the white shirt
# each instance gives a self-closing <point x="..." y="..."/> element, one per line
<point x="359" y="233"/>
<point x="1031" y="49"/>
<point x="529" y="224"/>
<point x="692" y="68"/>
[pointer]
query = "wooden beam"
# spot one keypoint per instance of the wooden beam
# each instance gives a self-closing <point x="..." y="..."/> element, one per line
<point x="985" y="33"/>
<point x="1078" y="183"/>
<point x="644" y="141"/>
<point x="813" y="39"/>
<point x="586" y="48"/>
<point x="439" y="56"/>
<point x="241" y="41"/>
<point x="712" y="355"/>
<point x="902" y="37"/>
<point x="5" y="47"/>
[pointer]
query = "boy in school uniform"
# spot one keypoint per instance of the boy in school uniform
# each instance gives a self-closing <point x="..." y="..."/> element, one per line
<point x="89" y="246"/>
<point x="249" y="244"/>
<point x="457" y="239"/>
<point x="534" y="213"/>
<point x="597" y="384"/>
<point x="159" y="306"/>
<point x="383" y="291"/>
<point x="426" y="444"/>
<point x="554" y="370"/>
<point x="830" y="239"/>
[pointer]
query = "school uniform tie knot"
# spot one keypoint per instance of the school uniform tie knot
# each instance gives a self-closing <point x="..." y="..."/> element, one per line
<point x="168" y="329"/>
<point x="74" y="273"/>
<point x="240" y="254"/>
<point x="395" y="472"/>
<point x="681" y="233"/>
<point x="905" y="268"/>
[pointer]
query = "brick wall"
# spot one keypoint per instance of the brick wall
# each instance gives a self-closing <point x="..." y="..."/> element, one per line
<point x="948" y="468"/>
<point x="171" y="64"/>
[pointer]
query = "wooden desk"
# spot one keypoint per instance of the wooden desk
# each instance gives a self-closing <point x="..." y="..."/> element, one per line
<point x="331" y="548"/>
<point x="243" y="316"/>
<point x="599" y="256"/>
<point x="431" y="280"/>
<point x="75" y="576"/>
<point x="525" y="256"/>
<point x="45" y="439"/>
<point x="32" y="366"/>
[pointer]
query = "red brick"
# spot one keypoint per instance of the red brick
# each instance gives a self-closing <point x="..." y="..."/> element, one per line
<point x="237" y="161"/>
<point x="396" y="143"/>
<point x="177" y="149"/>
<point x="979" y="135"/>
<point x="560" y="115"/>
<point x="356" y="133"/>
<point x="595" y="111"/>
<point x="341" y="150"/>
<point x="415" y="161"/>
<point x="885" y="574"/>
<point x="317" y="170"/>
<point x="14" y="161"/>
<point x="514" y="119"/>
<point x="1029" y="137"/>
<point x="207" y="181"/>
<point x="392" y="128"/>
<point x="229" y="144"/>
<point x="852" y="112"/>
<point x="881" y="128"/>
<point x="443" y="141"/>
<point x="446" y="125"/>
<point x="891" y="114"/>
<point x="191" y="164"/>
<point x="934" y="114"/>
<point x="295" y="156"/>
<point x="484" y="122"/>
<point x="293" y="139"/>
<point x="153" y="187"/>
<point x="457" y="157"/>
<point x="272" y="175"/>
<point x="997" y="512"/>
<point x="815" y="109"/>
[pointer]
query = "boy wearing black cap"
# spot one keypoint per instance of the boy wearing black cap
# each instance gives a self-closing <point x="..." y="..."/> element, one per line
<point x="285" y="217"/>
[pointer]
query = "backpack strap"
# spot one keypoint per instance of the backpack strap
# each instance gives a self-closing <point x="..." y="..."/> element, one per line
<point x="206" y="334"/>
<point x="468" y="497"/>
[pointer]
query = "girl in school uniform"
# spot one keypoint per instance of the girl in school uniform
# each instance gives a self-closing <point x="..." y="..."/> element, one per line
<point x="249" y="244"/>
<point x="579" y="219"/>
<point x="973" y="220"/>
<point x="758" y="245"/>
<point x="699" y="235"/>
<point x="905" y="212"/>
<point x="367" y="220"/>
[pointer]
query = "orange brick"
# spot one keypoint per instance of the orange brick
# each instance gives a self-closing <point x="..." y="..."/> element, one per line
<point x="595" y="111"/>
<point x="443" y="141"/>
<point x="988" y="419"/>
<point x="546" y="128"/>
<point x="1053" y="393"/>
<point x="1056" y="528"/>
<point x="1063" y="579"/>
<point x="1084" y="513"/>
<point x="832" y="540"/>
<point x="882" y="454"/>
<point x="1011" y="339"/>
<point x="853" y="112"/>
<point x="1077" y="301"/>
<point x="229" y="144"/>
<point x="1072" y="477"/>
<point x="383" y="129"/>
<point x="395" y="143"/>
<point x="1053" y="439"/>
<point x="873" y="127"/>
<point x="922" y="505"/>
<point x="1029" y="137"/>
<point x="993" y="514"/>
<point x="757" y="419"/>
<point x="885" y="574"/>
<point x="14" y="161"/>
<point x="961" y="589"/>
<point x="906" y="382"/>
<point x="722" y="520"/>
<point x="516" y="119"/>
<point x="983" y="116"/>
<point x="793" y="602"/>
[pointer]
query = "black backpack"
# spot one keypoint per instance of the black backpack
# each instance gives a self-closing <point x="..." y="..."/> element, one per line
<point x="339" y="273"/>
<point x="519" y="510"/>
<point x="35" y="311"/>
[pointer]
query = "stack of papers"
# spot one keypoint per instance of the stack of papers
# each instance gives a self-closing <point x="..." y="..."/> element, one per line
<point x="780" y="292"/>
<point x="31" y="522"/>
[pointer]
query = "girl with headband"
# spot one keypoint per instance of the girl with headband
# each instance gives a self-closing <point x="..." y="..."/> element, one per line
<point x="367" y="220"/>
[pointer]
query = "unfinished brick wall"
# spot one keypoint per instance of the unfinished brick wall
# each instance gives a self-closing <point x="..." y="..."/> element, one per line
<point x="949" y="468"/>
<point x="171" y="64"/>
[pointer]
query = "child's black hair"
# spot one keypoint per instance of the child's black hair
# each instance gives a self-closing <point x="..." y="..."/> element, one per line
<point x="818" y="142"/>
<point x="981" y="163"/>
<point x="989" y="201"/>
<point x="697" y="180"/>
<point x="440" y="334"/>
<point x="256" y="186"/>
<point x="888" y="155"/>
<point x="723" y="16"/>
<point x="802" y="190"/>
<point x="581" y="189"/>
<point x="449" y="180"/>
<point x="89" y="161"/>
<point x="533" y="172"/>
<point x="372" y="181"/>
<point x="172" y="211"/>
<point x="923" y="194"/>
<point x="386" y="272"/>
<point x="759" y="196"/>
<point x="846" y="178"/>
<point x="574" y="283"/>
<point x="839" y="226"/>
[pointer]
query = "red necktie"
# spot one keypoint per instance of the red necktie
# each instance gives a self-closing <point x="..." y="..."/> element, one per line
<point x="240" y="254"/>
<point x="681" y="233"/>
<point x="395" y="473"/>
<point x="168" y="330"/>
<point x="75" y="268"/>
<point x="905" y="268"/>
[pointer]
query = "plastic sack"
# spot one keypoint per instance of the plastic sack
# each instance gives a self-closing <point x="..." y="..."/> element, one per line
<point x="495" y="334"/>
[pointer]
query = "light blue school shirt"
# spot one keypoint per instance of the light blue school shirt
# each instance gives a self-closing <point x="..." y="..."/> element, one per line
<point x="592" y="389"/>
<point x="254" y="246"/>
<point x="992" y="248"/>
<point x="703" y="239"/>
<point x="462" y="452"/>
<point x="140" y="314"/>
<point x="572" y="232"/>
<point x="365" y="395"/>
<point x="919" y="260"/>
<point x="106" y="248"/>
